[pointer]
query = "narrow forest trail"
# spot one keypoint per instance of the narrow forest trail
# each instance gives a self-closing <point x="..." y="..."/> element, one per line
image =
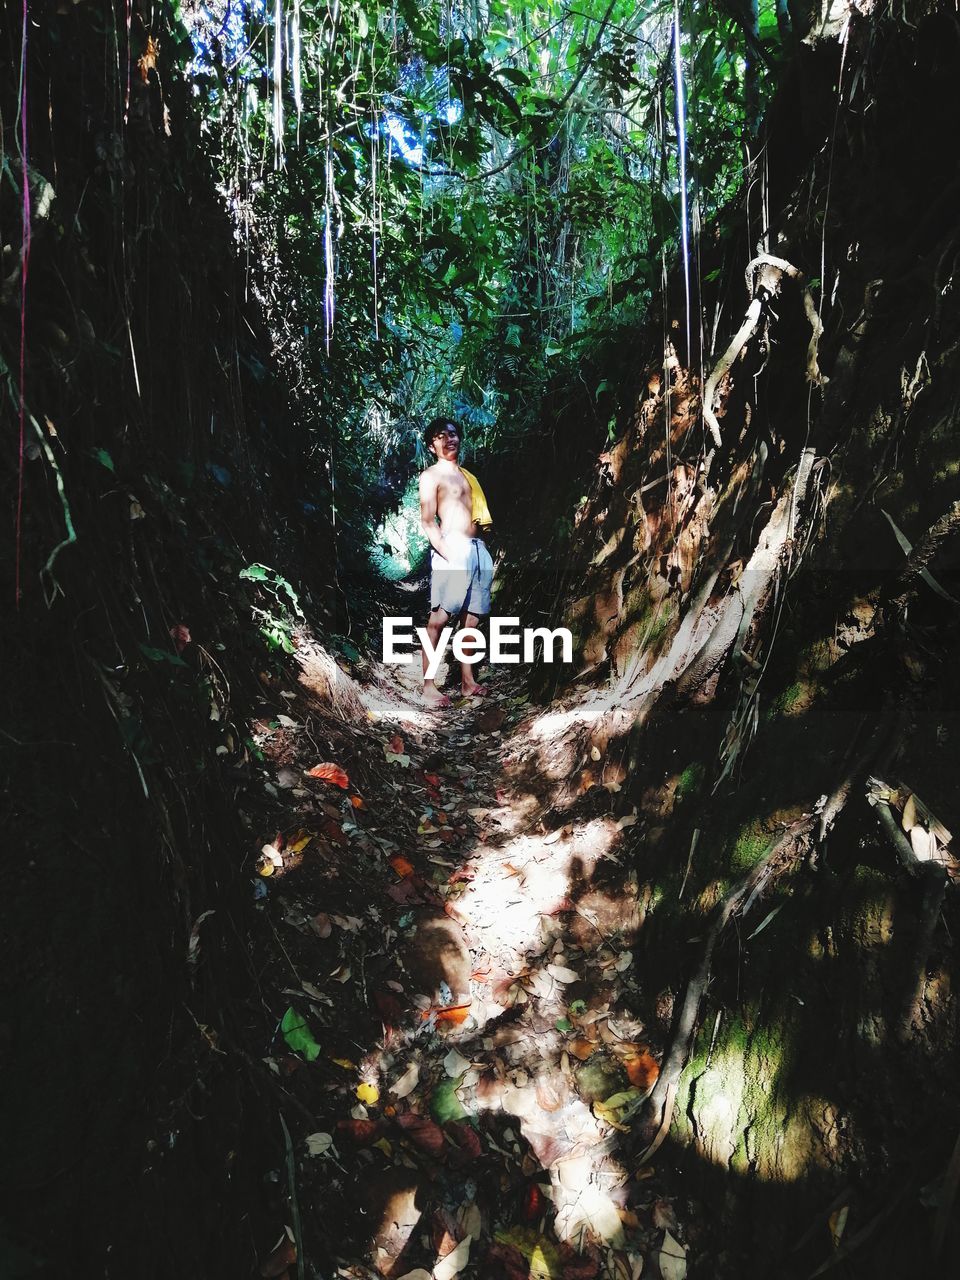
<point x="453" y="937"/>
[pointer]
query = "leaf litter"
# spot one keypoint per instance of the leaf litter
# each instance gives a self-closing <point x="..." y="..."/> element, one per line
<point x="407" y="1055"/>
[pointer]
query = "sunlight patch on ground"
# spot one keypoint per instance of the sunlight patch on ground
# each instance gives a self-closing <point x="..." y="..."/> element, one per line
<point x="526" y="879"/>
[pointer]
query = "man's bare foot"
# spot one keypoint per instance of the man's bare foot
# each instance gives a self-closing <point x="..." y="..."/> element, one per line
<point x="476" y="691"/>
<point x="434" y="698"/>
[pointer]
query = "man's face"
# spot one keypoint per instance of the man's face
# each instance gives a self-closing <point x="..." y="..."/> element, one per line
<point x="446" y="445"/>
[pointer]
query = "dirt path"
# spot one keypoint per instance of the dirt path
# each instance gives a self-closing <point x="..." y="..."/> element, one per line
<point x="453" y="978"/>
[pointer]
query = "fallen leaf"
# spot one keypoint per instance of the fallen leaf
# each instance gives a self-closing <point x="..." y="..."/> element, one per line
<point x="318" y="1144"/>
<point x="271" y="852"/>
<point x="284" y="1256"/>
<point x="454" y="1013"/>
<point x="664" y="1216"/>
<point x="455" y="1064"/>
<point x="594" y="753"/>
<point x="432" y="779"/>
<point x="454" y="1262"/>
<point x="367" y="1093"/>
<point x="417" y="1274"/>
<point x="395" y="745"/>
<point x="642" y="1070"/>
<point x="298" y="1035"/>
<point x="299" y="841"/>
<point x="331" y="773"/>
<point x="422" y="1132"/>
<point x="672" y="1258"/>
<point x="401" y="865"/>
<point x="321" y="926"/>
<point x="357" y="802"/>
<point x="470" y="1219"/>
<point x="534" y="1204"/>
<point x="562" y="974"/>
<point x="581" y="1049"/>
<point x="628" y="820"/>
<point x="408" y="1081"/>
<point x="362" y="1132"/>
<point x="445" y="1104"/>
<point x="352" y="924"/>
<point x="465" y="1147"/>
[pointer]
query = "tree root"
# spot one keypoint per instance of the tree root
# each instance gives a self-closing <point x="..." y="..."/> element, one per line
<point x="780" y="856"/>
<point x="763" y="279"/>
<point x="921" y="556"/>
<point x="933" y="879"/>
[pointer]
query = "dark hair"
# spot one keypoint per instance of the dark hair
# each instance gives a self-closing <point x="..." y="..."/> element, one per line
<point x="436" y="428"/>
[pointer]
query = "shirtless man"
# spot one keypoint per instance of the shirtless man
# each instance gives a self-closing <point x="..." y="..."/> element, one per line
<point x="461" y="571"/>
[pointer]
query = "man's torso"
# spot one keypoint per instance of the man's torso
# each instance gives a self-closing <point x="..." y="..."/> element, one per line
<point x="454" y="503"/>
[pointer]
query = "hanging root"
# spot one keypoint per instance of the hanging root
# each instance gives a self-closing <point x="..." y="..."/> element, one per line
<point x="764" y="276"/>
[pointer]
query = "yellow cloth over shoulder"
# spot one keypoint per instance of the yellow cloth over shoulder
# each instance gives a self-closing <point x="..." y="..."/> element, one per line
<point x="481" y="512"/>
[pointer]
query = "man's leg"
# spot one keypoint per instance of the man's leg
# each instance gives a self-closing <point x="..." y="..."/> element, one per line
<point x="471" y="688"/>
<point x="435" y="623"/>
<point x="478" y="602"/>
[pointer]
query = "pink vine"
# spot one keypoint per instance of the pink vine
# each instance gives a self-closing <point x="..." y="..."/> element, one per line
<point x="25" y="251"/>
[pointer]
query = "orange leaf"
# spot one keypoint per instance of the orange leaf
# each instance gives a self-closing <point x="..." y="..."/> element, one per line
<point x="581" y="1049"/>
<point x="455" y="1013"/>
<point x="357" y="802"/>
<point x="642" y="1070"/>
<point x="330" y="773"/>
<point x="401" y="865"/>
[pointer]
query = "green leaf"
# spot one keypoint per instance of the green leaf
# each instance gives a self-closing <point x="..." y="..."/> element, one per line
<point x="162" y="655"/>
<point x="564" y="1024"/>
<point x="104" y="459"/>
<point x="445" y="1105"/>
<point x="514" y="75"/>
<point x="298" y="1035"/>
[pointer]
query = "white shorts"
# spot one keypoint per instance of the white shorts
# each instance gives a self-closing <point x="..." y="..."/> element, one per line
<point x="461" y="582"/>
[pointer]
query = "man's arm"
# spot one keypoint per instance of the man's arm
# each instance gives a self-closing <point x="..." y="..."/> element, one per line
<point x="428" y="513"/>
